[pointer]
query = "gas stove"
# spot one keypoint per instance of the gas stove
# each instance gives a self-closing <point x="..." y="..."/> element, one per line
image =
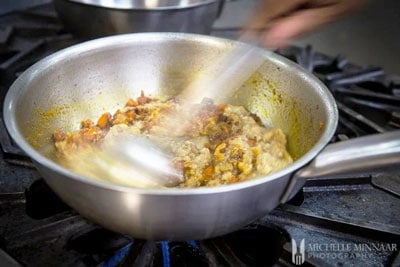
<point x="346" y="222"/>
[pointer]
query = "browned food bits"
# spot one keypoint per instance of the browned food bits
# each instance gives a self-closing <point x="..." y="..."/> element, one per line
<point x="220" y="144"/>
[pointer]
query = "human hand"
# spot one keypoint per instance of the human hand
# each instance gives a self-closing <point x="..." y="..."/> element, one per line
<point x="283" y="20"/>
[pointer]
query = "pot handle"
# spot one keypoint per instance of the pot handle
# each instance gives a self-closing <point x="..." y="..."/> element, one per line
<point x="372" y="154"/>
<point x="221" y="5"/>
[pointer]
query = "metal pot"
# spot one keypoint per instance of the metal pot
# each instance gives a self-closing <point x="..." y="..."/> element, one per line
<point x="88" y="79"/>
<point x="92" y="18"/>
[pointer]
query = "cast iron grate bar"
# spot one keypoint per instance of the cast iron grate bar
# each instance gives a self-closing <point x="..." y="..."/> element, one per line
<point x="139" y="254"/>
<point x="396" y="91"/>
<point x="395" y="119"/>
<point x="305" y="58"/>
<point x="6" y="65"/>
<point x="5" y="35"/>
<point x="11" y="152"/>
<point x="33" y="31"/>
<point x="381" y="86"/>
<point x="395" y="261"/>
<point x="361" y="93"/>
<point x="340" y="61"/>
<point x="350" y="128"/>
<point x="361" y="119"/>
<point x="66" y="223"/>
<point x="372" y="104"/>
<point x="225" y="251"/>
<point x="39" y="16"/>
<point x="389" y="183"/>
<point x="97" y="244"/>
<point x="182" y="254"/>
<point x="38" y="196"/>
<point x="213" y="258"/>
<point x="344" y="78"/>
<point x="366" y="229"/>
<point x="117" y="257"/>
<point x="291" y="215"/>
<point x="347" y="182"/>
<point x="300" y="227"/>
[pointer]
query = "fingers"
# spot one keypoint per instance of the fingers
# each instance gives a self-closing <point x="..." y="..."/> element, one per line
<point x="286" y="29"/>
<point x="305" y="21"/>
<point x="268" y="10"/>
<point x="284" y="20"/>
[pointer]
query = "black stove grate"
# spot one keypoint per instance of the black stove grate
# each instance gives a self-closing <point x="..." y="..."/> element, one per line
<point x="38" y="229"/>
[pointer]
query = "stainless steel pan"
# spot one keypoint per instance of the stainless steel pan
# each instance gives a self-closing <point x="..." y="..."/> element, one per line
<point x="94" y="18"/>
<point x="88" y="79"/>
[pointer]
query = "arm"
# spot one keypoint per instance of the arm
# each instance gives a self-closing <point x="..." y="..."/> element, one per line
<point x="284" y="20"/>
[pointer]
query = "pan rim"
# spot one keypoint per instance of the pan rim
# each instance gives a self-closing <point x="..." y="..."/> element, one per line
<point x="20" y="85"/>
<point x="128" y="6"/>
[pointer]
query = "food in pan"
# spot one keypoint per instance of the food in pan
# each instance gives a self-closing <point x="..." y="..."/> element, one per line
<point x="220" y="144"/>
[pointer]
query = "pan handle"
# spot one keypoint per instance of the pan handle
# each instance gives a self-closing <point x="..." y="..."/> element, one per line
<point x="372" y="154"/>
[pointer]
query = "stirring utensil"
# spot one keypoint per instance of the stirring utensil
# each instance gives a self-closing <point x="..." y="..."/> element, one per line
<point x="128" y="160"/>
<point x="228" y="72"/>
<point x="143" y="158"/>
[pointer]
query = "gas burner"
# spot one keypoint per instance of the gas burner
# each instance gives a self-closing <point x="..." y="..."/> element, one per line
<point x="38" y="229"/>
<point x="255" y="245"/>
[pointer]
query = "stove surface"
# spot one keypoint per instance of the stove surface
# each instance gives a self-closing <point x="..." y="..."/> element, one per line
<point x="346" y="222"/>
